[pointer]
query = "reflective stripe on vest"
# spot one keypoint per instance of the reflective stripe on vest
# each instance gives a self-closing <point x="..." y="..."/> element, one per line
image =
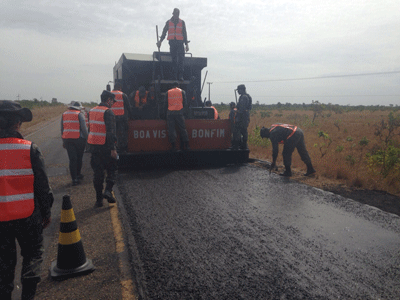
<point x="97" y="126"/>
<point x="175" y="33"/>
<point x="142" y="101"/>
<point x="287" y="126"/>
<point x="16" y="179"/>
<point x="118" y="107"/>
<point x="175" y="99"/>
<point x="71" y="127"/>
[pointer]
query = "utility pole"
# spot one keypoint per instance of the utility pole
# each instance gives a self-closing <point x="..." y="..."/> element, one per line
<point x="18" y="97"/>
<point x="209" y="84"/>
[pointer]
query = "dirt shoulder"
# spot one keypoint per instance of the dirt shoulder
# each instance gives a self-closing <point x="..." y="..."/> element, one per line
<point x="379" y="199"/>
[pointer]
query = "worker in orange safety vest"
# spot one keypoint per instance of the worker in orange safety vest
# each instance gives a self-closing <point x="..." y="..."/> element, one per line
<point x="176" y="111"/>
<point x="102" y="143"/>
<point x="122" y="112"/>
<point x="74" y="135"/>
<point x="177" y="37"/>
<point x="292" y="138"/>
<point x="209" y="104"/>
<point x="25" y="202"/>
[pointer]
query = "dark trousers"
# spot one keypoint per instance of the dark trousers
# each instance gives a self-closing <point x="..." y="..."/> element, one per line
<point x="240" y="134"/>
<point x="177" y="51"/>
<point x="101" y="163"/>
<point x="296" y="141"/>
<point x="28" y="233"/>
<point x="122" y="133"/>
<point x="75" y="149"/>
<point x="178" y="120"/>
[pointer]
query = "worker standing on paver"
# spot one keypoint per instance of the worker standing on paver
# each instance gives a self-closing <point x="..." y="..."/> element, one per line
<point x="292" y="138"/>
<point x="74" y="135"/>
<point x="209" y="104"/>
<point x="242" y="117"/>
<point x="232" y="119"/>
<point x="122" y="111"/>
<point x="176" y="109"/>
<point x="102" y="142"/>
<point x="25" y="202"/>
<point x="177" y="37"/>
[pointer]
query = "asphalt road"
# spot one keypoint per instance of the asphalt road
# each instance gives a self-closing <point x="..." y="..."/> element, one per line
<point x="238" y="233"/>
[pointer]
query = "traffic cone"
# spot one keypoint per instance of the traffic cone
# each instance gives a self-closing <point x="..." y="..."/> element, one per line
<point x="71" y="259"/>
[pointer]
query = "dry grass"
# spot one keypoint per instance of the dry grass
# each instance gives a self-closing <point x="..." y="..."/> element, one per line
<point x="42" y="115"/>
<point x="344" y="161"/>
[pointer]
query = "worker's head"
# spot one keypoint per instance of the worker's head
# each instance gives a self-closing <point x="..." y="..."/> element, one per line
<point x="232" y="105"/>
<point x="264" y="132"/>
<point x="175" y="13"/>
<point x="117" y="86"/>
<point x="241" y="89"/>
<point x="12" y="115"/>
<point x="175" y="84"/>
<point x="142" y="91"/>
<point x="208" y="103"/>
<point x="107" y="98"/>
<point x="76" y="105"/>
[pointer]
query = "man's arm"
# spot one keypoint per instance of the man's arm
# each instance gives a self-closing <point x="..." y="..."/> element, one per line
<point x="164" y="32"/>
<point x="82" y="124"/>
<point x="111" y="137"/>
<point x="43" y="194"/>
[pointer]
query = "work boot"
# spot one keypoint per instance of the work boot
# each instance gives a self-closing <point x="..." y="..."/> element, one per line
<point x="99" y="199"/>
<point x="28" y="291"/>
<point x="109" y="195"/>
<point x="186" y="146"/>
<point x="310" y="170"/>
<point x="287" y="173"/>
<point x="80" y="176"/>
<point x="75" y="182"/>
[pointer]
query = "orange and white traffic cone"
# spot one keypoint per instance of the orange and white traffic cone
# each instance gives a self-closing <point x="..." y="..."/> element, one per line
<point x="71" y="259"/>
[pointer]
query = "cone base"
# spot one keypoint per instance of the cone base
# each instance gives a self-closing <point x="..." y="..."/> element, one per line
<point x="60" y="274"/>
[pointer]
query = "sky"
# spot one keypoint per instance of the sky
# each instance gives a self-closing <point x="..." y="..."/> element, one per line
<point x="289" y="51"/>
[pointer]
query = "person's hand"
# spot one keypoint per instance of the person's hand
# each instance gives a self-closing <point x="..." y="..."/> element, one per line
<point x="158" y="44"/>
<point x="187" y="48"/>
<point x="271" y="167"/>
<point x="46" y="222"/>
<point x="114" y="154"/>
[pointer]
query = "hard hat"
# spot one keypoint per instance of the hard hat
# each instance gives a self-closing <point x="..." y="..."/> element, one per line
<point x="11" y="108"/>
<point x="76" y="105"/>
<point x="241" y="87"/>
<point x="105" y="95"/>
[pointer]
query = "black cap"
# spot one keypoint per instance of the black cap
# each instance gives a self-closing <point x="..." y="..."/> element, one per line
<point x="241" y="87"/>
<point x="13" y="108"/>
<point x="105" y="95"/>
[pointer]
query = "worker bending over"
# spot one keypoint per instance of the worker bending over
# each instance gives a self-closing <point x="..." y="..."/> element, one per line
<point x="292" y="138"/>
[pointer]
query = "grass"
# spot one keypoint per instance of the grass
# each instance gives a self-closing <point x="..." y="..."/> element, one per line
<point x="339" y="145"/>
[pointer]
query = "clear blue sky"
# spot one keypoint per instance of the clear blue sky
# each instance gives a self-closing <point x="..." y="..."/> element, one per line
<point x="340" y="52"/>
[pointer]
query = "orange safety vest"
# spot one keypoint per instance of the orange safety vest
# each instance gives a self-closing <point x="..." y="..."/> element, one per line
<point x="118" y="107"/>
<point x="71" y="126"/>
<point x="287" y="126"/>
<point x="16" y="179"/>
<point x="98" y="132"/>
<point x="215" y="113"/>
<point x="140" y="101"/>
<point x="175" y="33"/>
<point x="175" y="99"/>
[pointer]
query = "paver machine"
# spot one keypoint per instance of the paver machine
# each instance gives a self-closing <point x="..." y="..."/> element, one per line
<point x="148" y="145"/>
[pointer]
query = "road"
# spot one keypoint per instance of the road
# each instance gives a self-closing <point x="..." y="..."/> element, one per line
<point x="239" y="233"/>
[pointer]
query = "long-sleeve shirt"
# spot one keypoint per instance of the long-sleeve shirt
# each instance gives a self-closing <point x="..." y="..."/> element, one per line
<point x="111" y="136"/>
<point x="277" y="135"/>
<point x="43" y="195"/>
<point x="166" y="27"/>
